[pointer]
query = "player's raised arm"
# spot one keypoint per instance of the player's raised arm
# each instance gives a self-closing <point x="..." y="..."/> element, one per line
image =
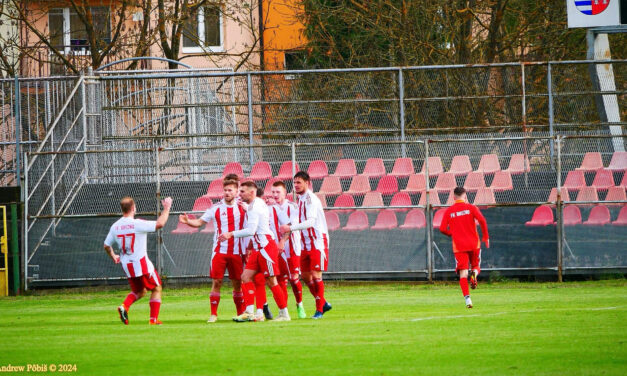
<point x="193" y="222"/>
<point x="163" y="218"/>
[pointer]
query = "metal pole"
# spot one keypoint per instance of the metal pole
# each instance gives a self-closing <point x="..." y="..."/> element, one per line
<point x="428" y="216"/>
<point x="84" y="119"/>
<point x="15" y="250"/>
<point x="158" y="198"/>
<point x="25" y="231"/>
<point x="18" y="126"/>
<point x="249" y="81"/>
<point x="524" y="121"/>
<point x="293" y="170"/>
<point x="401" y="101"/>
<point x="559" y="207"/>
<point x="549" y="84"/>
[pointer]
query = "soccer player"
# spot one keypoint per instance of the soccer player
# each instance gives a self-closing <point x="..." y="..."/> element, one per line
<point x="315" y="239"/>
<point x="130" y="235"/>
<point x="227" y="215"/>
<point x="459" y="223"/>
<point x="283" y="212"/>
<point x="263" y="258"/>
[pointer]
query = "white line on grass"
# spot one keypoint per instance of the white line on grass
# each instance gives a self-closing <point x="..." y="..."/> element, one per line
<point x="516" y="311"/>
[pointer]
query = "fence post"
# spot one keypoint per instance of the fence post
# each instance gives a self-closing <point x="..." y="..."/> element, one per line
<point x="18" y="129"/>
<point x="524" y="120"/>
<point x="559" y="208"/>
<point x="549" y="85"/>
<point x="293" y="170"/>
<point x="15" y="250"/>
<point x="25" y="222"/>
<point x="158" y="198"/>
<point x="401" y="102"/>
<point x="249" y="85"/>
<point x="84" y="121"/>
<point x="428" y="216"/>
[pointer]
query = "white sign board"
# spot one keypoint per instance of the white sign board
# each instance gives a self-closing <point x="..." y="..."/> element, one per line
<point x="591" y="13"/>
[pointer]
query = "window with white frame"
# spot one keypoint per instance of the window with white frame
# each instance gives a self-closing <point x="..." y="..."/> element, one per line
<point x="68" y="33"/>
<point x="203" y="30"/>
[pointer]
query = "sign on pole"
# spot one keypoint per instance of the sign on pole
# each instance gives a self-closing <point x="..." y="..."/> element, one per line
<point x="593" y="13"/>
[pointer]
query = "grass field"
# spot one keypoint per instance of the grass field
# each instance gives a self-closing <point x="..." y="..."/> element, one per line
<point x="576" y="328"/>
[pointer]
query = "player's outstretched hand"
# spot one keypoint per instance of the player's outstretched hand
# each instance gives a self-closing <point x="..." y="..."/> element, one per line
<point x="167" y="202"/>
<point x="284" y="229"/>
<point x="225" y="236"/>
<point x="487" y="243"/>
<point x="183" y="218"/>
<point x="116" y="259"/>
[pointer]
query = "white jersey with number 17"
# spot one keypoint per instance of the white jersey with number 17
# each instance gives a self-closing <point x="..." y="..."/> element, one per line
<point x="130" y="236"/>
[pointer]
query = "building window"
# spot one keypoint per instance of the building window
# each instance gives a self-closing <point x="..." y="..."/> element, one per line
<point x="203" y="31"/>
<point x="68" y="33"/>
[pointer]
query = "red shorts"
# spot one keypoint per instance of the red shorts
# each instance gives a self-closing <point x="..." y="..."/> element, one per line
<point x="463" y="258"/>
<point x="268" y="266"/>
<point x="312" y="260"/>
<point x="146" y="281"/>
<point x="221" y="262"/>
<point x="289" y="266"/>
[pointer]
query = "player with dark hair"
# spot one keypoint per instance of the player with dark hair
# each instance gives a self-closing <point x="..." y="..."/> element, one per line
<point x="315" y="240"/>
<point x="263" y="258"/>
<point x="459" y="223"/>
<point x="129" y="234"/>
<point x="227" y="215"/>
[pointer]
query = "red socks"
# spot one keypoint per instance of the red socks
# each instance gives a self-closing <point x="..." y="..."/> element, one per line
<point x="319" y="294"/>
<point x="312" y="287"/>
<point x="280" y="297"/>
<point x="297" y="288"/>
<point x="463" y="283"/>
<point x="283" y="283"/>
<point x="238" y="299"/>
<point x="214" y="298"/>
<point x="154" y="309"/>
<point x="260" y="290"/>
<point x="248" y="289"/>
<point x="130" y="299"/>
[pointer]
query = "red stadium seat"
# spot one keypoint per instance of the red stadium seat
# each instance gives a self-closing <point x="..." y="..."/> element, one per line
<point x="518" y="165"/>
<point x="403" y="167"/>
<point x="267" y="190"/>
<point x="415" y="219"/>
<point x="603" y="180"/>
<point x="618" y="162"/>
<point x="445" y="182"/>
<point x="344" y="201"/>
<point x="575" y="180"/>
<point x="401" y="199"/>
<point x="460" y="165"/>
<point x="285" y="172"/>
<point x="331" y="186"/>
<point x="416" y="184"/>
<point x="434" y="198"/>
<point x="450" y="200"/>
<point x="616" y="194"/>
<point x="435" y="166"/>
<point x="318" y="170"/>
<point x="357" y="221"/>
<point x="622" y="217"/>
<point x="592" y="161"/>
<point x="623" y="183"/>
<point x="321" y="196"/>
<point x="542" y="216"/>
<point x="360" y="185"/>
<point x="215" y="190"/>
<point x="587" y="194"/>
<point x="374" y="168"/>
<point x="474" y="181"/>
<point x="572" y="215"/>
<point x="502" y="182"/>
<point x="437" y="217"/>
<point x="386" y="220"/>
<point x="182" y="228"/>
<point x="202" y="203"/>
<point x="372" y="199"/>
<point x="333" y="220"/>
<point x="489" y="164"/>
<point x="553" y="195"/>
<point x="485" y="196"/>
<point x="599" y="216"/>
<point x="260" y="171"/>
<point x="345" y="169"/>
<point x="233" y="168"/>
<point x="387" y="185"/>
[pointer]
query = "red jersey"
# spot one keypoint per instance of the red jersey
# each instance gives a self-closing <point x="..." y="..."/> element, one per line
<point x="459" y="222"/>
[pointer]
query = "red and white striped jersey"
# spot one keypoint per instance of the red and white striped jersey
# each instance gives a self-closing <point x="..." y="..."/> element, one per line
<point x="130" y="234"/>
<point x="312" y="220"/>
<point x="286" y="214"/>
<point x="256" y="225"/>
<point x="226" y="218"/>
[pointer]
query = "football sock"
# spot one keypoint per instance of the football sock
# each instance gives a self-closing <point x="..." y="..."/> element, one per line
<point x="463" y="283"/>
<point x="312" y="287"/>
<point x="214" y="298"/>
<point x="260" y="290"/>
<point x="238" y="299"/>
<point x="297" y="288"/>
<point x="248" y="289"/>
<point x="259" y="311"/>
<point x="279" y="296"/>
<point x="319" y="294"/>
<point x="283" y="284"/>
<point x="155" y="305"/>
<point x="130" y="299"/>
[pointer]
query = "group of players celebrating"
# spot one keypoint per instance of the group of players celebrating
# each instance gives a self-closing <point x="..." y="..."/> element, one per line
<point x="259" y="242"/>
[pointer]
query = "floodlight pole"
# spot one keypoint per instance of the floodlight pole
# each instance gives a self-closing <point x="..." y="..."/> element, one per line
<point x="428" y="216"/>
<point x="558" y="210"/>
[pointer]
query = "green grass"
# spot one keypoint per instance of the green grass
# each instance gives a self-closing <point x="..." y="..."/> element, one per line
<point x="577" y="328"/>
